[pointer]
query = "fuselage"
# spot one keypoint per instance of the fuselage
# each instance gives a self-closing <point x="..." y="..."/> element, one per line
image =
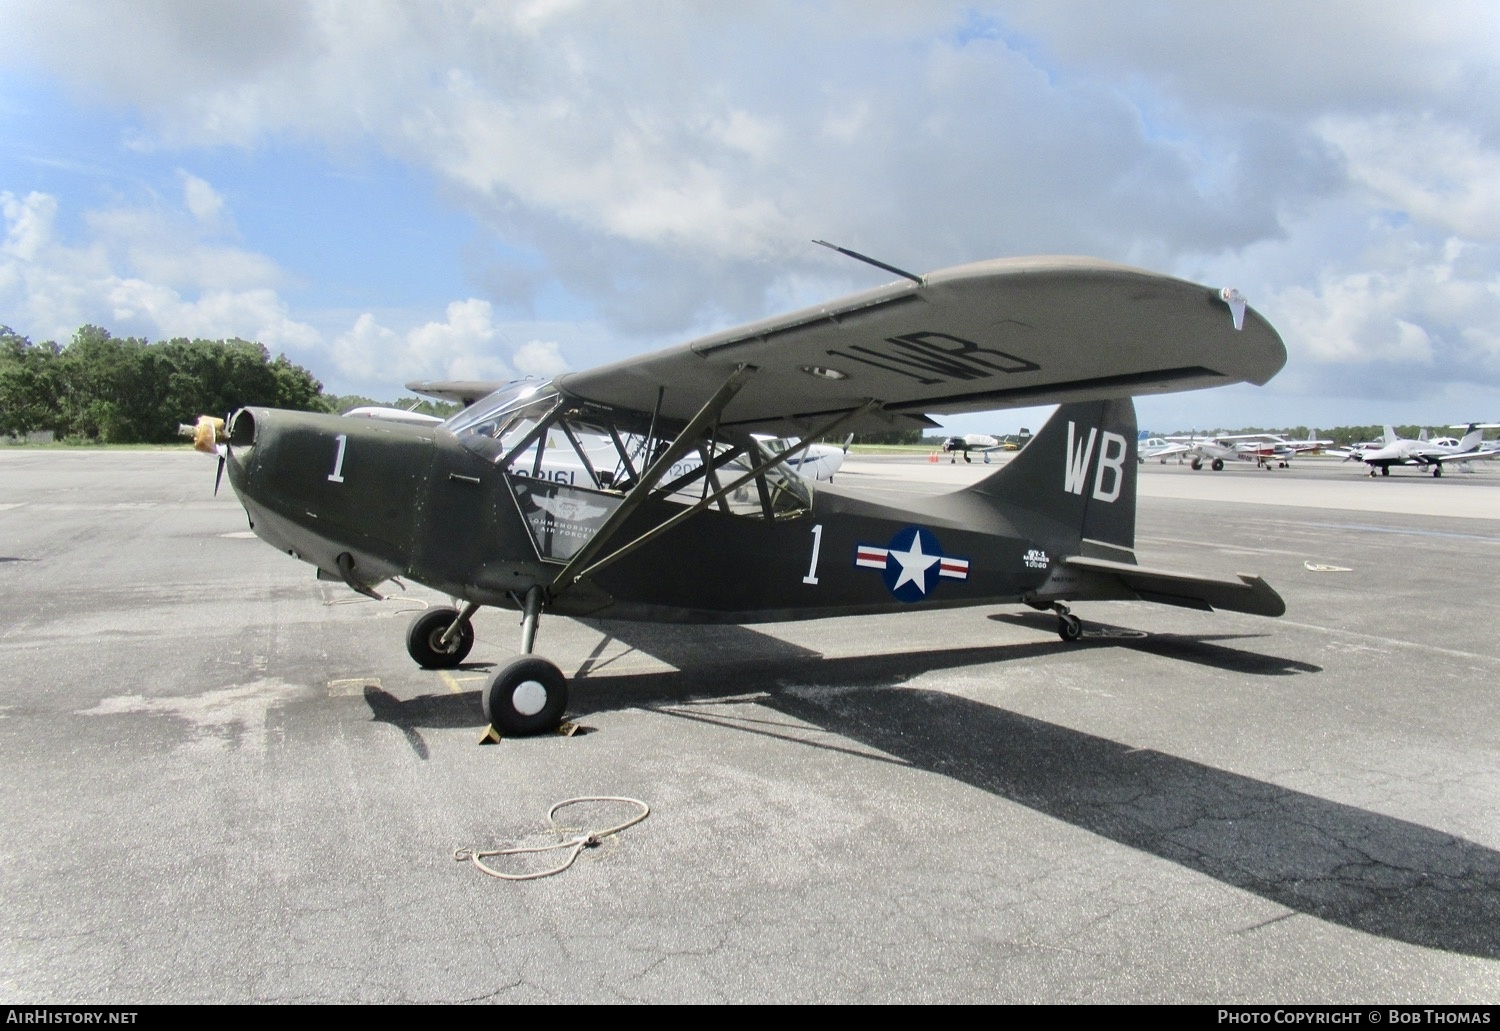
<point x="366" y="500"/>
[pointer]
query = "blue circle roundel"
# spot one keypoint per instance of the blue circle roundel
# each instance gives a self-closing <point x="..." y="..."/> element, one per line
<point x="913" y="562"/>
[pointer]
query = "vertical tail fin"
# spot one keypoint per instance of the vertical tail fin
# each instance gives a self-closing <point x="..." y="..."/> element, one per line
<point x="1078" y="471"/>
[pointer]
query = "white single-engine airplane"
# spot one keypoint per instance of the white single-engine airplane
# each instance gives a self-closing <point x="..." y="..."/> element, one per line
<point x="685" y="516"/>
<point x="812" y="461"/>
<point x="1160" y="448"/>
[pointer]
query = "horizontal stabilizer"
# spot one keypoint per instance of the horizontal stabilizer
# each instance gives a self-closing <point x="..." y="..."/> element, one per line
<point x="1251" y="594"/>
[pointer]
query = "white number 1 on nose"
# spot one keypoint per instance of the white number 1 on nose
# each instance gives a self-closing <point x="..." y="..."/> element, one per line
<point x="337" y="476"/>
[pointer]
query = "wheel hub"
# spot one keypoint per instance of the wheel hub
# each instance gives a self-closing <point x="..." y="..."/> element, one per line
<point x="529" y="697"/>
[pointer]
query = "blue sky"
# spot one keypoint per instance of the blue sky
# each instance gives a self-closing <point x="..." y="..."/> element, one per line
<point x="392" y="191"/>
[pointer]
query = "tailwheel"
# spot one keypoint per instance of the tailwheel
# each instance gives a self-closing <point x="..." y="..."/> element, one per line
<point x="527" y="696"/>
<point x="1069" y="626"/>
<point x="424" y="639"/>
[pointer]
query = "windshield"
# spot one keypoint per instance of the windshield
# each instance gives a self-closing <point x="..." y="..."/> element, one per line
<point x="491" y="416"/>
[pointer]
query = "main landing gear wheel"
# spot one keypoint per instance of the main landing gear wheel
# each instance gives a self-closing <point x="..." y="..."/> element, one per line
<point x="1437" y="470"/>
<point x="527" y="696"/>
<point x="424" y="639"/>
<point x="1197" y="464"/>
<point x="1218" y="465"/>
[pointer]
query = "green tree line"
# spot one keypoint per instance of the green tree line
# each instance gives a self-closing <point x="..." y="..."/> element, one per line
<point x="123" y="390"/>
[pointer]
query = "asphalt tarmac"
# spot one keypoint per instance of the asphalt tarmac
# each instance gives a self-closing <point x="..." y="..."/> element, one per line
<point x="226" y="782"/>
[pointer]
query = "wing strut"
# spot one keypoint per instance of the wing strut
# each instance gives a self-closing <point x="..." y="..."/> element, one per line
<point x="722" y="492"/>
<point x="685" y="442"/>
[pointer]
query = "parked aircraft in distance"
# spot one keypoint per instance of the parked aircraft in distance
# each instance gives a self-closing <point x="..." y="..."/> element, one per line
<point x="982" y="443"/>
<point x="687" y="517"/>
<point x="812" y="461"/>
<point x="1286" y="449"/>
<point x="392" y="415"/>
<point x="1427" y="454"/>
<point x="1148" y="446"/>
<point x="1216" y="450"/>
<point x="1264" y="449"/>
<point x="1484" y="445"/>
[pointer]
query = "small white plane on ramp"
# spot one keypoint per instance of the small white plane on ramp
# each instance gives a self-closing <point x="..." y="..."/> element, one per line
<point x="1426" y="454"/>
<point x="813" y="462"/>
<point x="1160" y="448"/>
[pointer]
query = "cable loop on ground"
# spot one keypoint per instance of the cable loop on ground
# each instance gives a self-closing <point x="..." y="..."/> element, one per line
<point x="574" y="845"/>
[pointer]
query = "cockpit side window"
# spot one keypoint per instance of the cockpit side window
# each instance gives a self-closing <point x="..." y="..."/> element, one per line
<point x="536" y="432"/>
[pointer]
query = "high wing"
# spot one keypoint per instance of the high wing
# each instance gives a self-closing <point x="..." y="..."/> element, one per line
<point x="464" y="391"/>
<point x="995" y="334"/>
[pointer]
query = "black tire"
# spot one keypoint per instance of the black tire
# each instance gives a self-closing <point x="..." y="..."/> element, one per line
<point x="1437" y="470"/>
<point x="1218" y="464"/>
<point x="423" y="634"/>
<point x="1197" y="464"/>
<point x="527" y="696"/>
<point x="1385" y="470"/>
<point x="1069" y="628"/>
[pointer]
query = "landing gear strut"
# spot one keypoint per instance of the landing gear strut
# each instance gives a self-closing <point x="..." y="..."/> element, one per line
<point x="528" y="694"/>
<point x="441" y="638"/>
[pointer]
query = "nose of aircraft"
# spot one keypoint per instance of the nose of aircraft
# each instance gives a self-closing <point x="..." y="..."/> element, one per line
<point x="237" y="450"/>
<point x="339" y="493"/>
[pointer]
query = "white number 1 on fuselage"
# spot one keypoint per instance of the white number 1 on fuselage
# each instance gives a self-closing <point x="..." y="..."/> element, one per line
<point x="812" y="568"/>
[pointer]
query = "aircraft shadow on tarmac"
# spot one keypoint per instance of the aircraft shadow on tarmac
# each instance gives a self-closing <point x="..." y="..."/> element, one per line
<point x="1339" y="863"/>
<point x="1197" y="648"/>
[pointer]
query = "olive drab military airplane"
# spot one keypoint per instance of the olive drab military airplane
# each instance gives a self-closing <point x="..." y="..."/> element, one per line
<point x="688" y="518"/>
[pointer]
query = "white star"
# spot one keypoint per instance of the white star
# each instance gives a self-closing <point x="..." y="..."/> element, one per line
<point x="914" y="565"/>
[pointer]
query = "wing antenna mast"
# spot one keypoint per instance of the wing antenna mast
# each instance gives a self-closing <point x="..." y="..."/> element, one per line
<point x="870" y="261"/>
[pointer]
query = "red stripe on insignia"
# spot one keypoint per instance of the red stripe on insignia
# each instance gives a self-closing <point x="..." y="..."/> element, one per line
<point x="955" y="567"/>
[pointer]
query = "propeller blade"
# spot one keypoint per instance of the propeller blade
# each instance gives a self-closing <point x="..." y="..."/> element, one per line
<point x="219" y="475"/>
